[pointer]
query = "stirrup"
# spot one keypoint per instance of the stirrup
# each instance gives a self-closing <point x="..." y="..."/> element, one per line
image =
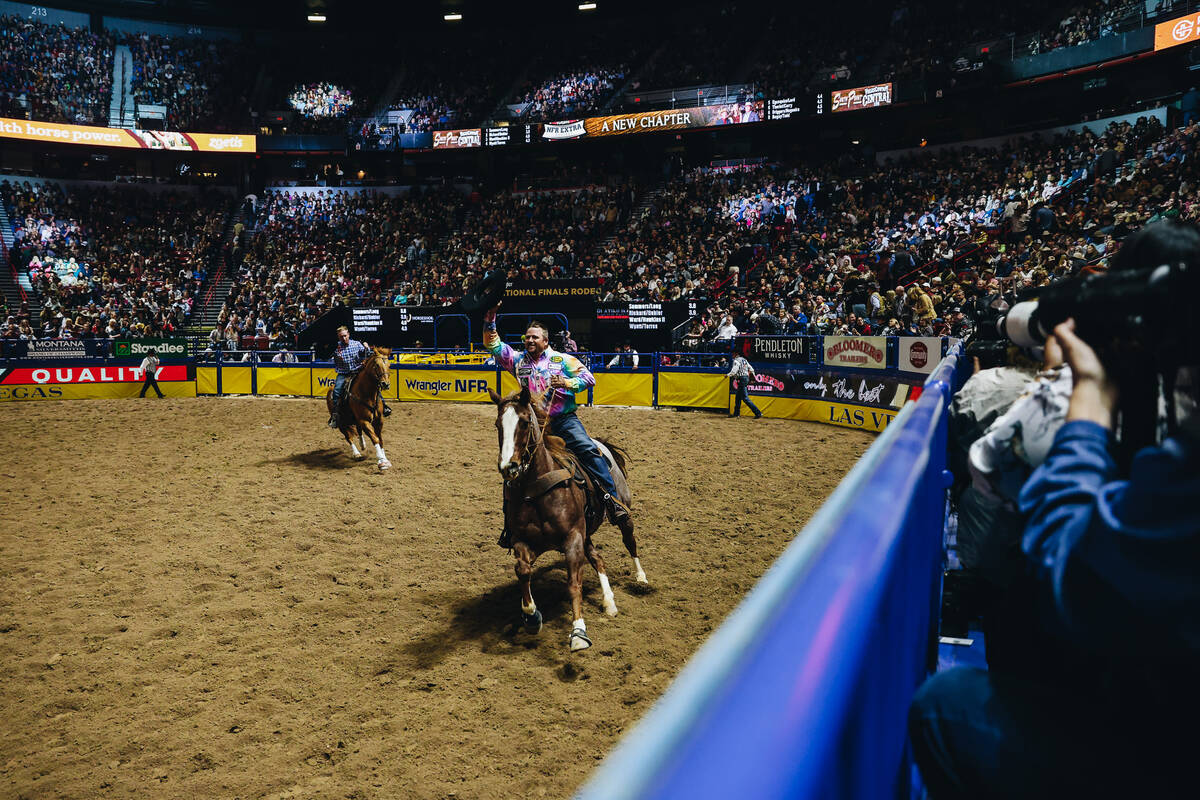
<point x="615" y="508"/>
<point x="387" y="410"/>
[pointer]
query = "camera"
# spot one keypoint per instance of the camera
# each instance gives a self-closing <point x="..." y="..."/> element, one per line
<point x="1127" y="316"/>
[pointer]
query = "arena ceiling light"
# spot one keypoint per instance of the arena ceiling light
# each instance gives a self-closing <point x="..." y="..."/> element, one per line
<point x="316" y="17"/>
<point x="455" y="17"/>
<point x="587" y="6"/>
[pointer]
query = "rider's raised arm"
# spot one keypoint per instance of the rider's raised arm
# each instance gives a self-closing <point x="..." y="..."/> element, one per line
<point x="578" y="376"/>
<point x="505" y="355"/>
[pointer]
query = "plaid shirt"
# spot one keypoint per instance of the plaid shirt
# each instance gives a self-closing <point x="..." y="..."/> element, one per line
<point x="741" y="368"/>
<point x="350" y="356"/>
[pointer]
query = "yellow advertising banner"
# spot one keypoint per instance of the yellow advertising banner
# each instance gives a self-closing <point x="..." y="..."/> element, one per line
<point x="847" y="416"/>
<point x="235" y="380"/>
<point x="289" y="380"/>
<point x="693" y="390"/>
<point x="623" y="389"/>
<point x="206" y="380"/>
<point x="458" y="385"/>
<point x="62" y="133"/>
<point x="92" y="391"/>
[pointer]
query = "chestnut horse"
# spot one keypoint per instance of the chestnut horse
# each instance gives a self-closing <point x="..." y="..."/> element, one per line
<point x="546" y="504"/>
<point x="364" y="405"/>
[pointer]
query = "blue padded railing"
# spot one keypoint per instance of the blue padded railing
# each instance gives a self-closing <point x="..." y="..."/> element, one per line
<point x="803" y="691"/>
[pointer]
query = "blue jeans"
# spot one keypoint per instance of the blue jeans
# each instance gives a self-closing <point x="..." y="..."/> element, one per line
<point x="590" y="458"/>
<point x="978" y="734"/>
<point x="339" y="390"/>
<point x="742" y="387"/>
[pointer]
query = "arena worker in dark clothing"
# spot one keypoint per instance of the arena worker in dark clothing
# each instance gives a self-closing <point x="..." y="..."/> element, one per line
<point x="1116" y="563"/>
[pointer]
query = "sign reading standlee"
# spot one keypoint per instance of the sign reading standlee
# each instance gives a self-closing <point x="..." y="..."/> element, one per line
<point x="141" y="347"/>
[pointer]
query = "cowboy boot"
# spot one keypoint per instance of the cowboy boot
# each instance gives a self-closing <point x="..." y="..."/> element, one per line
<point x="617" y="512"/>
<point x="505" y="540"/>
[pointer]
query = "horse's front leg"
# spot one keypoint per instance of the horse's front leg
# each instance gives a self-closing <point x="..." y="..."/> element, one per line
<point x="576" y="558"/>
<point x="530" y="616"/>
<point x="354" y="451"/>
<point x="376" y="436"/>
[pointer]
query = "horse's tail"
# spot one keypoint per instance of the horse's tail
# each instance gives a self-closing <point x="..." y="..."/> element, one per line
<point x="619" y="455"/>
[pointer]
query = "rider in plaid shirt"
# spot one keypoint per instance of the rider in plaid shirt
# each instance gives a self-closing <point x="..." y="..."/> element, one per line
<point x="348" y="359"/>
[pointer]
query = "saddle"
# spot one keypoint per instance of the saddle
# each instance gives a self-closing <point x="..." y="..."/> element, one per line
<point x="593" y="510"/>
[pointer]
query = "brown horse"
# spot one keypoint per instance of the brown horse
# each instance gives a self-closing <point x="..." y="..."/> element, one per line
<point x="546" y="503"/>
<point x="364" y="405"/>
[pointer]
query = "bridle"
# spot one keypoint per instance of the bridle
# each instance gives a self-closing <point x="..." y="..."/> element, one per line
<point x="533" y="440"/>
<point x="381" y="361"/>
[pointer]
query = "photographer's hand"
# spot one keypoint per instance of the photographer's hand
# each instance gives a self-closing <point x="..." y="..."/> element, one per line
<point x="1095" y="397"/>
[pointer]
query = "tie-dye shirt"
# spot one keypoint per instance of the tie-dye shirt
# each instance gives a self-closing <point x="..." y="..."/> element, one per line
<point x="537" y="374"/>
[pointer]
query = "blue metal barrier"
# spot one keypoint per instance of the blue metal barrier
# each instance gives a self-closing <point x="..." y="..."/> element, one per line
<point x="803" y="691"/>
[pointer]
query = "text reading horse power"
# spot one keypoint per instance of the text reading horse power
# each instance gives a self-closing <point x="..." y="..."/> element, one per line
<point x="548" y="497"/>
<point x="363" y="406"/>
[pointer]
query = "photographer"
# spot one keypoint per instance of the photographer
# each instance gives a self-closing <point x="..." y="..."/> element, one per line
<point x="1115" y="568"/>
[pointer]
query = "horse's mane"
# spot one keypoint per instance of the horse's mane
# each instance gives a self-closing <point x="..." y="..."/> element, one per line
<point x="555" y="445"/>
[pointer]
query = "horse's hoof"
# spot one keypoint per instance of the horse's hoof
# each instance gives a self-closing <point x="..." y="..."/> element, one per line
<point x="641" y="578"/>
<point x="384" y="465"/>
<point x="532" y="622"/>
<point x="579" y="640"/>
<point x="610" y="609"/>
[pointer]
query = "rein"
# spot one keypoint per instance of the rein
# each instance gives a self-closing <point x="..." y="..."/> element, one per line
<point x="532" y="443"/>
<point x="378" y="390"/>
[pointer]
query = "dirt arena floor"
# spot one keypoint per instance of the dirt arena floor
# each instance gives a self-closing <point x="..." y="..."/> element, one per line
<point x="208" y="598"/>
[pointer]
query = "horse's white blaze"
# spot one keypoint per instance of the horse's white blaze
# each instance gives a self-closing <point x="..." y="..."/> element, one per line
<point x="610" y="605"/>
<point x="508" y="432"/>
<point x="529" y="607"/>
<point x="641" y="573"/>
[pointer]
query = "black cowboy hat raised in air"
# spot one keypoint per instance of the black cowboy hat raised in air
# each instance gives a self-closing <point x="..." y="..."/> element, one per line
<point x="486" y="293"/>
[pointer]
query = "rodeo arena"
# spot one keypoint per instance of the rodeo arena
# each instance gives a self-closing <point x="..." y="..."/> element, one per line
<point x="607" y="400"/>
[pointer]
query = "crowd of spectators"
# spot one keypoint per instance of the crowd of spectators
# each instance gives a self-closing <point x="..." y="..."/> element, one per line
<point x="321" y="100"/>
<point x="110" y="262"/>
<point x="55" y="73"/>
<point x="572" y="94"/>
<point x="849" y="264"/>
<point x="202" y="82"/>
<point x="311" y="252"/>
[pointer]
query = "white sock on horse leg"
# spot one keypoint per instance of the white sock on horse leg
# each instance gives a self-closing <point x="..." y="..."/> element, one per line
<point x="610" y="605"/>
<point x="641" y="573"/>
<point x="528" y="609"/>
<point x="379" y="452"/>
<point x="578" y="625"/>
